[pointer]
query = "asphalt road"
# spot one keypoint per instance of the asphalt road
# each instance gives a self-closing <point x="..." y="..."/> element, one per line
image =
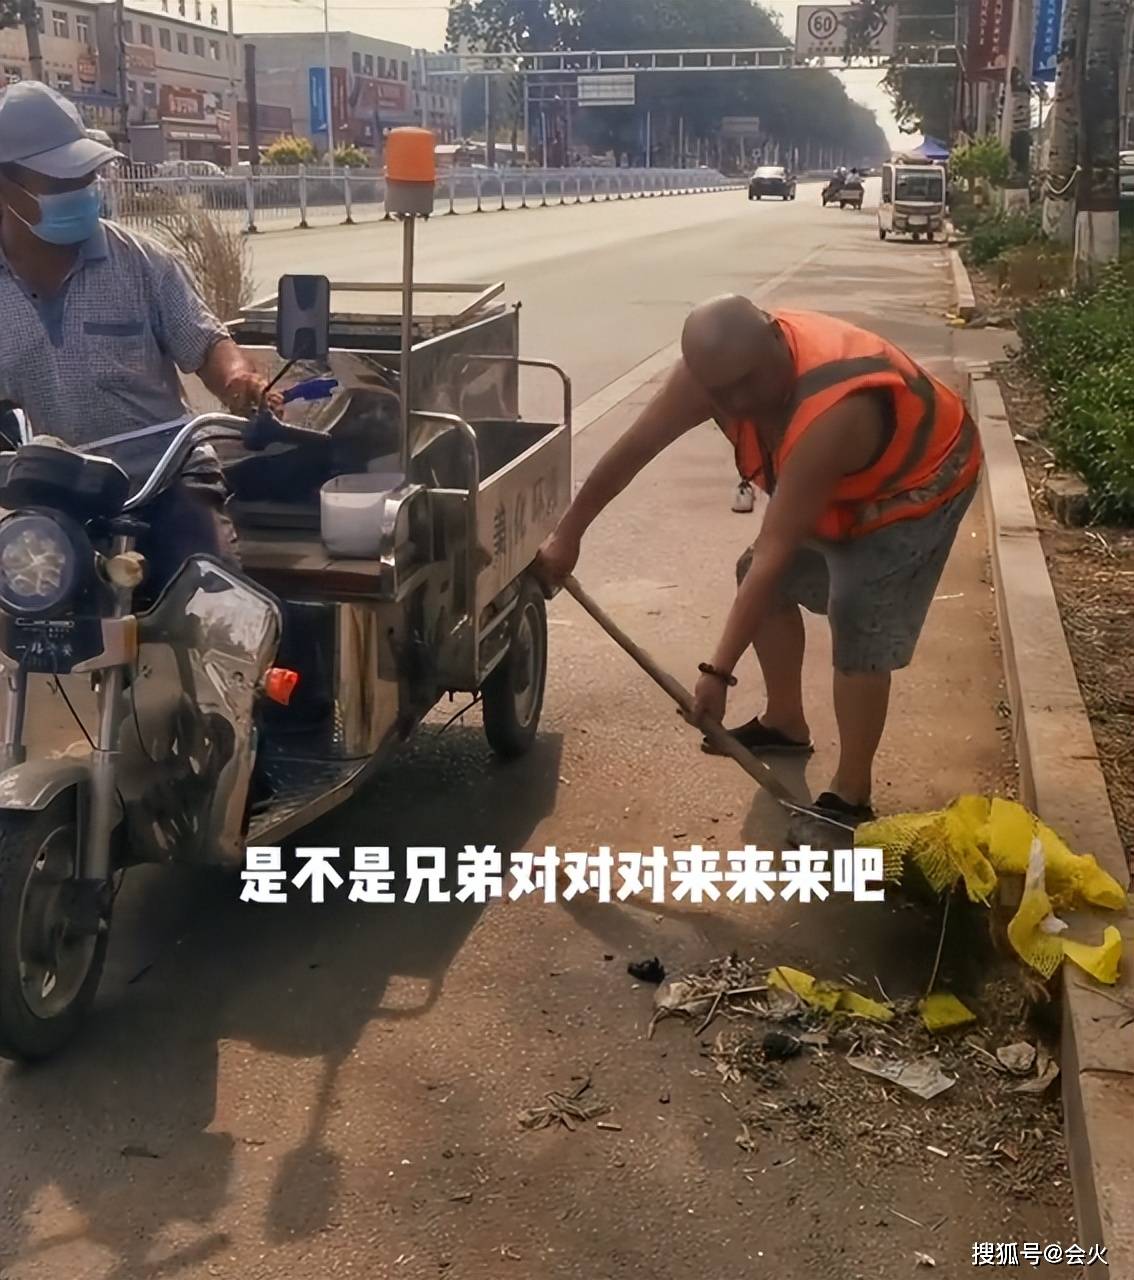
<point x="310" y="1091"/>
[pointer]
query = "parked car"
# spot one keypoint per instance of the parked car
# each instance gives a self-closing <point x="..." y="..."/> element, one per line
<point x="189" y="169"/>
<point x="1126" y="175"/>
<point x="771" y="180"/>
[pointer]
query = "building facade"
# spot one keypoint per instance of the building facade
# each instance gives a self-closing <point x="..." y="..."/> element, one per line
<point x="376" y="85"/>
<point x="184" y="79"/>
<point x="184" y="76"/>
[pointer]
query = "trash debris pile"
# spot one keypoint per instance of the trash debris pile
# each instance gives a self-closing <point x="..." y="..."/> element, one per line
<point x="975" y="1089"/>
<point x="976" y="842"/>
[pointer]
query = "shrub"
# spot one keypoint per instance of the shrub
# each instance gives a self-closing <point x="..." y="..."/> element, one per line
<point x="288" y="151"/>
<point x="1082" y="345"/>
<point x="216" y="252"/>
<point x="349" y="156"/>
<point x="992" y="236"/>
<point x="982" y="160"/>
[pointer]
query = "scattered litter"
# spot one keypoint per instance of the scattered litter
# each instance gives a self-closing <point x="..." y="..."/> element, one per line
<point x="462" y="1197"/>
<point x="942" y="1012"/>
<point x="611" y="1128"/>
<point x="958" y="595"/>
<point x="924" y="1259"/>
<point x="663" y="1097"/>
<point x="938" y="1152"/>
<point x="701" y="994"/>
<point x="779" y="1047"/>
<point x="1018" y="1058"/>
<point x="652" y="970"/>
<point x="564" y="1109"/>
<point x="828" y="996"/>
<point x="140" y="1153"/>
<point x="912" y="1221"/>
<point x="924" y="1077"/>
<point x="1046" y="1071"/>
<point x="506" y="1251"/>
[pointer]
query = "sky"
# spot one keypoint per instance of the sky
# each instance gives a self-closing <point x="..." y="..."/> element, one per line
<point x="422" y="23"/>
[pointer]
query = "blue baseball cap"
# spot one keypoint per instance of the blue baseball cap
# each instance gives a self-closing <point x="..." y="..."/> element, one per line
<point x="42" y="131"/>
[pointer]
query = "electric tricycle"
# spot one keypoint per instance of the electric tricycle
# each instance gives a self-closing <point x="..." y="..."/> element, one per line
<point x="385" y="547"/>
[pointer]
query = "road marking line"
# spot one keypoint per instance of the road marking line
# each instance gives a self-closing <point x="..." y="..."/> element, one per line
<point x="614" y="393"/>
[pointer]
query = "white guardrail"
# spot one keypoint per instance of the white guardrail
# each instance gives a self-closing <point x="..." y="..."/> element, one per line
<point x="309" y="197"/>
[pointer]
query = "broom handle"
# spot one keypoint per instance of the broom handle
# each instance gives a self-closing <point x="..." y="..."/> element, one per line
<point x="717" y="735"/>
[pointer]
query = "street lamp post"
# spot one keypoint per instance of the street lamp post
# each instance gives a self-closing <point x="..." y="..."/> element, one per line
<point x="327" y="83"/>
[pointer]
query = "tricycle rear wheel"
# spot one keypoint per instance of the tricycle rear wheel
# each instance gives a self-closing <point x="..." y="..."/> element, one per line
<point x="513" y="693"/>
<point x="49" y="973"/>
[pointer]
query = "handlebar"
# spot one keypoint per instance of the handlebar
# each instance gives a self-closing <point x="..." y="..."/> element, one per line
<point x="256" y="434"/>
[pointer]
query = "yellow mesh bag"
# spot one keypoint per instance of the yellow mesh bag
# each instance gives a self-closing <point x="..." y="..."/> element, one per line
<point x="976" y="840"/>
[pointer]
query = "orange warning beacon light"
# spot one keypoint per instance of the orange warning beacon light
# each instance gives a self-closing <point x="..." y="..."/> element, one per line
<point x="411" y="171"/>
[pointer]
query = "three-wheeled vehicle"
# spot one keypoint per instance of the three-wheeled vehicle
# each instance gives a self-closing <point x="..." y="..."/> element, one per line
<point x="385" y="547"/>
<point x="843" y="191"/>
<point x="912" y="201"/>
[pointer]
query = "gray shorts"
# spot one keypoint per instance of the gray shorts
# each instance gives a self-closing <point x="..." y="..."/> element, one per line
<point x="876" y="590"/>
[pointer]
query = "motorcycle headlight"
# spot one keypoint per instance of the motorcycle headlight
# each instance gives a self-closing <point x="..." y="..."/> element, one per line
<point x="39" y="564"/>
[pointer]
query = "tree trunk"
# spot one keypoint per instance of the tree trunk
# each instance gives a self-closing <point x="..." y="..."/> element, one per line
<point x="1096" y="214"/>
<point x="1124" y="104"/>
<point x="1015" y="125"/>
<point x="31" y="31"/>
<point x="1063" y="146"/>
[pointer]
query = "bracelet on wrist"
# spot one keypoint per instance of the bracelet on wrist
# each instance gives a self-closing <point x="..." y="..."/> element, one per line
<point x="726" y="677"/>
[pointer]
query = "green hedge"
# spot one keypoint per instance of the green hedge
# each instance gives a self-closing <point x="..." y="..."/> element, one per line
<point x="1083" y="348"/>
<point x="993" y="235"/>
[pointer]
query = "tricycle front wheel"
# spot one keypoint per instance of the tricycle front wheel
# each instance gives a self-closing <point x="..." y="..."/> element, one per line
<point x="513" y="693"/>
<point x="49" y="969"/>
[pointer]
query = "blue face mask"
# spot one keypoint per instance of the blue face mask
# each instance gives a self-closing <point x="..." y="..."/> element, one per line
<point x="67" y="217"/>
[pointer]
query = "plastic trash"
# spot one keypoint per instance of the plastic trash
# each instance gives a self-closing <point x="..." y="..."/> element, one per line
<point x="923" y="1077"/>
<point x="943" y="1012"/>
<point x="828" y="996"/>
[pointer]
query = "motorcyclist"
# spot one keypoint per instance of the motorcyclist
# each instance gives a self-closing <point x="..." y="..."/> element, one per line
<point x="98" y="321"/>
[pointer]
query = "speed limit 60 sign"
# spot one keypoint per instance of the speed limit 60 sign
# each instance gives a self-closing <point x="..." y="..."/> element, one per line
<point x="821" y="32"/>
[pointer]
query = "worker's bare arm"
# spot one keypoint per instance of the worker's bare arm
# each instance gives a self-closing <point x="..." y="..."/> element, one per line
<point x="678" y="406"/>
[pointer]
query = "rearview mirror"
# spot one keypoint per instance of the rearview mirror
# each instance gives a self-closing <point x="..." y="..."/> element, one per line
<point x="303" y="318"/>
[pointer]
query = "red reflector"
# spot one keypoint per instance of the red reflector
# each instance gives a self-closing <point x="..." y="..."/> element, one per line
<point x="279" y="684"/>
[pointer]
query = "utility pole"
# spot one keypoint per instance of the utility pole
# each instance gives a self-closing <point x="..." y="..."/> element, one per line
<point x="253" y="106"/>
<point x="233" y="94"/>
<point x="489" y="124"/>
<point x="30" y="19"/>
<point x="327" y="86"/>
<point x="123" y="82"/>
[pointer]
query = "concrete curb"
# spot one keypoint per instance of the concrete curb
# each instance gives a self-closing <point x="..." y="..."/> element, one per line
<point x="1060" y="779"/>
<point x="962" y="286"/>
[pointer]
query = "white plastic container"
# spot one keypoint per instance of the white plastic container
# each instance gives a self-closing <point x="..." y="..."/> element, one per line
<point x="350" y="513"/>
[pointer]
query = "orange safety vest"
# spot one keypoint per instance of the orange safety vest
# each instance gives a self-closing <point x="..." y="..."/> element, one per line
<point x="933" y="455"/>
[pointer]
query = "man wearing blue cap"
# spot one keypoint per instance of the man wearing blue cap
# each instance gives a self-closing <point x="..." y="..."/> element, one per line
<point x="98" y="321"/>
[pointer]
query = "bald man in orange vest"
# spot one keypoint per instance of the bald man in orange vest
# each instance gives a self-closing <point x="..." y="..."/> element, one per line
<point x="869" y="464"/>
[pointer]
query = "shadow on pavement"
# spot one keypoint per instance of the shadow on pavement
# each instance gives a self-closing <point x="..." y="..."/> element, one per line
<point x="120" y="1125"/>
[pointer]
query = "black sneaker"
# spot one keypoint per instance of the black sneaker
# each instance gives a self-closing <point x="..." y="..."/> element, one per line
<point x="829" y="805"/>
<point x="762" y="741"/>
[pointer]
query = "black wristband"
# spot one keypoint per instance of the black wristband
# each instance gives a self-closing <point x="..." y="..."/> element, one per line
<point x="707" y="669"/>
